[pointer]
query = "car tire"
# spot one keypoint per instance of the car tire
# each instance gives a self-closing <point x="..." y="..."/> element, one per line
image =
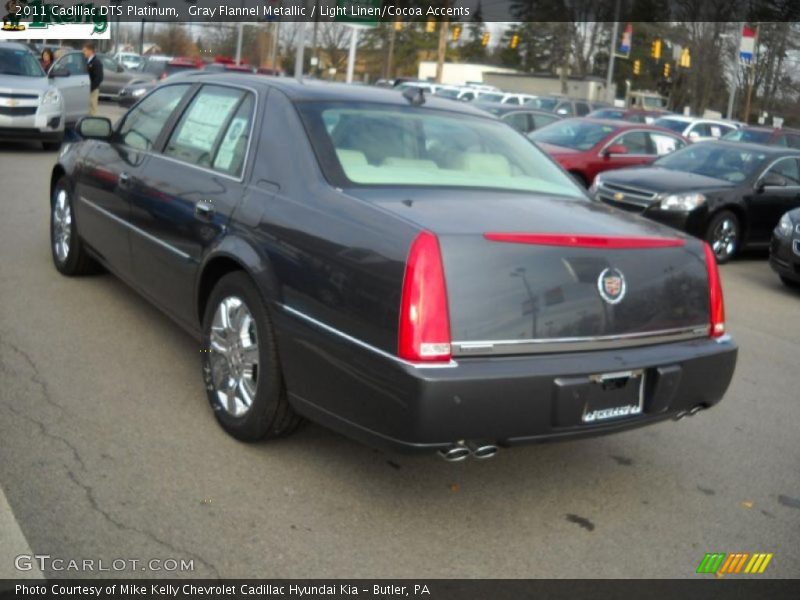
<point x="791" y="283"/>
<point x="68" y="250"/>
<point x="723" y="234"/>
<point x="51" y="146"/>
<point x="241" y="368"/>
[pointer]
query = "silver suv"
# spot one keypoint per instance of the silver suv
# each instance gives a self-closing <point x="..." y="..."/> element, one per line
<point x="35" y="105"/>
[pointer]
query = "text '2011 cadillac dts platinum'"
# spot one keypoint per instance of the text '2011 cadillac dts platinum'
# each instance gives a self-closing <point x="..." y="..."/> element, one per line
<point x="408" y="271"/>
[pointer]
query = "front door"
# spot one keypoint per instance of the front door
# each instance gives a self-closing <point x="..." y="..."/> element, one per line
<point x="112" y="175"/>
<point x="766" y="206"/>
<point x="188" y="193"/>
<point x="75" y="87"/>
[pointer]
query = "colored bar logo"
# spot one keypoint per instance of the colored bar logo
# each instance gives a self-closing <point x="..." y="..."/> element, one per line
<point x="720" y="563"/>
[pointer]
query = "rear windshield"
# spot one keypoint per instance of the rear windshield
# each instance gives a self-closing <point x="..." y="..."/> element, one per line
<point x="373" y="144"/>
<point x="172" y="69"/>
<point x="755" y="136"/>
<point x="714" y="160"/>
<point x="156" y="67"/>
<point x="573" y="133"/>
<point x="19" y="62"/>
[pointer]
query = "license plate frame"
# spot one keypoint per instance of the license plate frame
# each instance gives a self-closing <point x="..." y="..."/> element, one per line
<point x="620" y="395"/>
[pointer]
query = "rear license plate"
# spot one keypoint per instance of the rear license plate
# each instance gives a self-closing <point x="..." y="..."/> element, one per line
<point x="595" y="399"/>
<point x="614" y="396"/>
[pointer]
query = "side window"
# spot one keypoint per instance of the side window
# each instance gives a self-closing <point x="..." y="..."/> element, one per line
<point x="232" y="149"/>
<point x="582" y="109"/>
<point x="701" y="130"/>
<point x="664" y="144"/>
<point x="793" y="141"/>
<point x="144" y="123"/>
<point x="212" y="132"/>
<point x="788" y="168"/>
<point x="635" y="141"/>
<point x="513" y="100"/>
<point x="468" y="97"/>
<point x="565" y="108"/>
<point x="518" y="121"/>
<point x="540" y="121"/>
<point x="109" y="64"/>
<point x="74" y="62"/>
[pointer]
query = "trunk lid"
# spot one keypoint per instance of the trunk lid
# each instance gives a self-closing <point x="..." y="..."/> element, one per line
<point x="509" y="296"/>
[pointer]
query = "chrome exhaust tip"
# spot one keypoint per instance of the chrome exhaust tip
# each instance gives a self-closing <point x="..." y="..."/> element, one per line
<point x="696" y="409"/>
<point x="680" y="415"/>
<point x="483" y="451"/>
<point x="455" y="453"/>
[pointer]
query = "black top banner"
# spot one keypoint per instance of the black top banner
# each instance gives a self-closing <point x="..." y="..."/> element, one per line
<point x="369" y="12"/>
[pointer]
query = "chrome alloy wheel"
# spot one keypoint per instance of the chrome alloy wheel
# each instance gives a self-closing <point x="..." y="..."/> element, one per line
<point x="234" y="356"/>
<point x="723" y="239"/>
<point x="62" y="226"/>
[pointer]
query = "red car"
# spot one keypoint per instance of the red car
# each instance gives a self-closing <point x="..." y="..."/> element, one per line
<point x="586" y="147"/>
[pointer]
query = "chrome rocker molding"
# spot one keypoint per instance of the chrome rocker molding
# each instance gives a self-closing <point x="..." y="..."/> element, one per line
<point x="135" y="229"/>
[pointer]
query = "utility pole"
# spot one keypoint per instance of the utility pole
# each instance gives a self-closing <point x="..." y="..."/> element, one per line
<point x="300" y="50"/>
<point x="276" y="30"/>
<point x="612" y="51"/>
<point x="734" y="72"/>
<point x="751" y="78"/>
<point x="444" y="28"/>
<point x="390" y="56"/>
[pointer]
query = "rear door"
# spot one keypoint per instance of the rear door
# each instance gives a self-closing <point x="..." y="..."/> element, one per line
<point x="767" y="207"/>
<point x="188" y="193"/>
<point x="75" y="87"/>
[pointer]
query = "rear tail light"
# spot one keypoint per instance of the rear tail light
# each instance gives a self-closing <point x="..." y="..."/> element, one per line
<point x="716" y="304"/>
<point x="424" y="333"/>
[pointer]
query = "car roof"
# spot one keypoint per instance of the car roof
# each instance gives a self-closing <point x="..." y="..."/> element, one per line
<point x="324" y="91"/>
<point x="14" y="46"/>
<point x="763" y="148"/>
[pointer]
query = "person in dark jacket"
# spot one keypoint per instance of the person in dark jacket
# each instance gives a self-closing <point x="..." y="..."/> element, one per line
<point x="95" y="67"/>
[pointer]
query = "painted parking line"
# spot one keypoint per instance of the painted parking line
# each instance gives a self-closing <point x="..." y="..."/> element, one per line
<point x="12" y="544"/>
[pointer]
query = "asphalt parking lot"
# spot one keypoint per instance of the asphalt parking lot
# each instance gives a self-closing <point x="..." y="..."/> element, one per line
<point x="108" y="449"/>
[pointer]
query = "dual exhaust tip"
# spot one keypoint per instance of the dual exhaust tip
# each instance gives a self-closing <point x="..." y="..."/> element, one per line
<point x="460" y="451"/>
<point x="688" y="413"/>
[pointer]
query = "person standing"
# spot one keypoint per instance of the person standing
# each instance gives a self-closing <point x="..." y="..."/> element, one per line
<point x="95" y="67"/>
<point x="47" y="59"/>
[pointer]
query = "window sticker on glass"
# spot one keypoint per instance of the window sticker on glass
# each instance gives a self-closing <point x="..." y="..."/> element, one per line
<point x="227" y="149"/>
<point x="206" y="116"/>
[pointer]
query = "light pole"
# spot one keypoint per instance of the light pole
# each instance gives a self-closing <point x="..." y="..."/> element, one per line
<point x="612" y="53"/>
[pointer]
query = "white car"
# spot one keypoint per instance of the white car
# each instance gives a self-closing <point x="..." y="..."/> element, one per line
<point x="695" y="129"/>
<point x="129" y="60"/>
<point x="35" y="105"/>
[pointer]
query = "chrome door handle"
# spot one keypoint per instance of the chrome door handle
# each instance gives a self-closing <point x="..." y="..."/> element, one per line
<point x="203" y="208"/>
<point x="124" y="179"/>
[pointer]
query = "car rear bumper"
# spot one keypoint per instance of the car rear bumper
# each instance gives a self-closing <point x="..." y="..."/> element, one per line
<point x="784" y="257"/>
<point x="375" y="398"/>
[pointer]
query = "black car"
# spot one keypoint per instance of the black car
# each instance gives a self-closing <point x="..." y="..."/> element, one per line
<point x="727" y="193"/>
<point x="521" y="118"/>
<point x="408" y="271"/>
<point x="784" y="251"/>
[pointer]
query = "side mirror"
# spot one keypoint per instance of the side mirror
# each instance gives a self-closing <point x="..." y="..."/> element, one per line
<point x="615" y="149"/>
<point x="58" y="72"/>
<point x="94" y="128"/>
<point x="771" y="180"/>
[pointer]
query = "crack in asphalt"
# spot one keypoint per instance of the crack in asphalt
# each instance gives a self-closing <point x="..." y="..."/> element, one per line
<point x="87" y="489"/>
<point x="46" y="431"/>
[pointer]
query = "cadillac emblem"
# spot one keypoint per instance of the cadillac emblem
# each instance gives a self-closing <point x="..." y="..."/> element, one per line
<point x="611" y="285"/>
<point x="619" y="196"/>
